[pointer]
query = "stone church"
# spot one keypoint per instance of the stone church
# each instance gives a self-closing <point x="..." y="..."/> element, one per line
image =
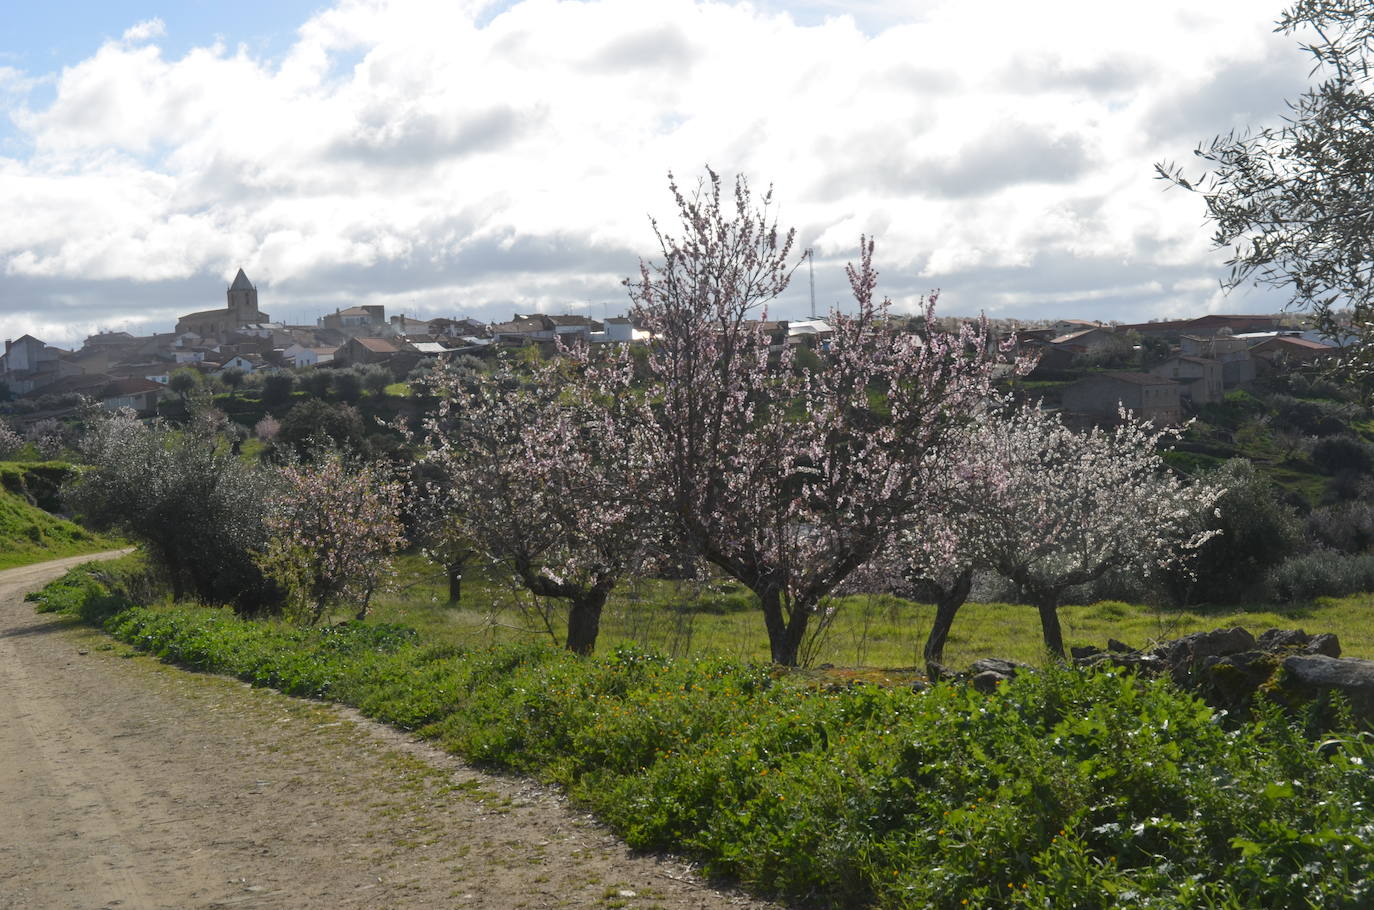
<point x="242" y="310"/>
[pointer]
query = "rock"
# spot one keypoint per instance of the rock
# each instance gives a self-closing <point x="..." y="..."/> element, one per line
<point x="988" y="680"/>
<point x="1326" y="643"/>
<point x="1007" y="668"/>
<point x="1231" y="681"/>
<point x="1283" y="639"/>
<point x="1120" y="647"/>
<point x="937" y="672"/>
<point x="1317" y="674"/>
<point x="919" y="686"/>
<point x="1079" y="652"/>
<point x="1192" y="652"/>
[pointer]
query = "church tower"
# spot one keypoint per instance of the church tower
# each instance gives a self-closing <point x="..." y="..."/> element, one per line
<point x="243" y="300"/>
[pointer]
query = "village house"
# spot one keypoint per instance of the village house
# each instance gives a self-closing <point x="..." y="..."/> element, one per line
<point x="1090" y="341"/>
<point x="1291" y="349"/>
<point x="1200" y="378"/>
<point x="29" y="364"/>
<point x="1098" y="398"/>
<point x="363" y="350"/>
<point x="301" y="355"/>
<point x="1237" y="367"/>
<point x="141" y="395"/>
<point x="370" y="317"/>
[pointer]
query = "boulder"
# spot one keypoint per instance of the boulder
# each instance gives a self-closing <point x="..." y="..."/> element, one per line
<point x="988" y="681"/>
<point x="1283" y="639"/>
<point x="1007" y="668"/>
<point x="1326" y="643"/>
<point x="1192" y="653"/>
<point x="1314" y="675"/>
<point x="1120" y="647"/>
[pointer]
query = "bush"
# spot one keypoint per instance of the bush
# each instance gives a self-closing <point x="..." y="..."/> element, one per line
<point x="1258" y="531"/>
<point x="317" y="381"/>
<point x="1348" y="527"/>
<point x="1321" y="573"/>
<point x="1337" y="454"/>
<point x="96" y="591"/>
<point x="348" y="386"/>
<point x="197" y="508"/>
<point x="314" y="423"/>
<point x="277" y="388"/>
<point x="1310" y="417"/>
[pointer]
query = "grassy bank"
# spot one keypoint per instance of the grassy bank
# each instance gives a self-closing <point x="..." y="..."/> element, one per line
<point x="1062" y="789"/>
<point x="28" y="534"/>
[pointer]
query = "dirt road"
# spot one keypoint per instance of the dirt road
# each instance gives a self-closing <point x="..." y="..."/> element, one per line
<point x="125" y="783"/>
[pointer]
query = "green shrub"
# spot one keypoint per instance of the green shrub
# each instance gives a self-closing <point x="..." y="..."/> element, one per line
<point x="1321" y="573"/>
<point x="1063" y="788"/>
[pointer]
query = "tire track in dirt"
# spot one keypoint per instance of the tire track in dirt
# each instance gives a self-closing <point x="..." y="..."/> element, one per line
<point x="130" y="784"/>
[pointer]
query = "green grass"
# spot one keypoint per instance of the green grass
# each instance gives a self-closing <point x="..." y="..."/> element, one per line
<point x="679" y="620"/>
<point x="1063" y="788"/>
<point x="29" y="535"/>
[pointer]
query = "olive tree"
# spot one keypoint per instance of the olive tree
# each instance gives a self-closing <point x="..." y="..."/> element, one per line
<point x="198" y="511"/>
<point x="1294" y="203"/>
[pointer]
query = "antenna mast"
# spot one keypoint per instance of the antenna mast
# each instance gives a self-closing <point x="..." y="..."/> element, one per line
<point x="811" y="269"/>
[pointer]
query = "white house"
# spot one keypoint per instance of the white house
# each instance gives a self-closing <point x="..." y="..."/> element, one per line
<point x="303" y="356"/>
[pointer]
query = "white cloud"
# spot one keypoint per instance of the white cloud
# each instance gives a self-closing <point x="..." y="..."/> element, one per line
<point x="414" y="150"/>
<point x="144" y="31"/>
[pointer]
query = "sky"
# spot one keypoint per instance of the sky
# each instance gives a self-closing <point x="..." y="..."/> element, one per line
<point x="471" y="158"/>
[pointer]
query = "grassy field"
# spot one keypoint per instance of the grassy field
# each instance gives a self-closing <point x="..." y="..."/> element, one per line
<point x="678" y="620"/>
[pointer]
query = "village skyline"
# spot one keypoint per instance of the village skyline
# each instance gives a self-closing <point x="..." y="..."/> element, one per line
<point x="483" y="159"/>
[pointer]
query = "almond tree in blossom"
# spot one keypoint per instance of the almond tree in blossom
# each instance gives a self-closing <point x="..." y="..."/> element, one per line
<point x="539" y="479"/>
<point x="335" y="528"/>
<point x="1049" y="508"/>
<point x="787" y="479"/>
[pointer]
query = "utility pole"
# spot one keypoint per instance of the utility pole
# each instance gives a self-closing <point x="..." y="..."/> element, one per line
<point x="811" y="269"/>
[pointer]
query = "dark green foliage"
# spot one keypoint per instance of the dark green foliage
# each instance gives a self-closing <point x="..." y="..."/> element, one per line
<point x="1309" y="416"/>
<point x="1062" y="789"/>
<point x="277" y="388"/>
<point x="1258" y="531"/>
<point x="1321" y="573"/>
<point x="313" y="424"/>
<point x="317" y="382"/>
<point x="348" y="386"/>
<point x="197" y="508"/>
<point x="1347" y="527"/>
<point x="1342" y="453"/>
<point x="375" y="379"/>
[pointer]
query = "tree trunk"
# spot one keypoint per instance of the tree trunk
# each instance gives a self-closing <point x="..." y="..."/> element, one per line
<point x="584" y="620"/>
<point x="455" y="583"/>
<point x="784" y="635"/>
<point x="1048" y="604"/>
<point x="947" y="604"/>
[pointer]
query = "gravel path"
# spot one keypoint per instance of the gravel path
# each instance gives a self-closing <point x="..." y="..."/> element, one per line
<point x="126" y="783"/>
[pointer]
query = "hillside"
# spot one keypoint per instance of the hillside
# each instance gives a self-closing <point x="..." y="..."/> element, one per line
<point x="28" y="534"/>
